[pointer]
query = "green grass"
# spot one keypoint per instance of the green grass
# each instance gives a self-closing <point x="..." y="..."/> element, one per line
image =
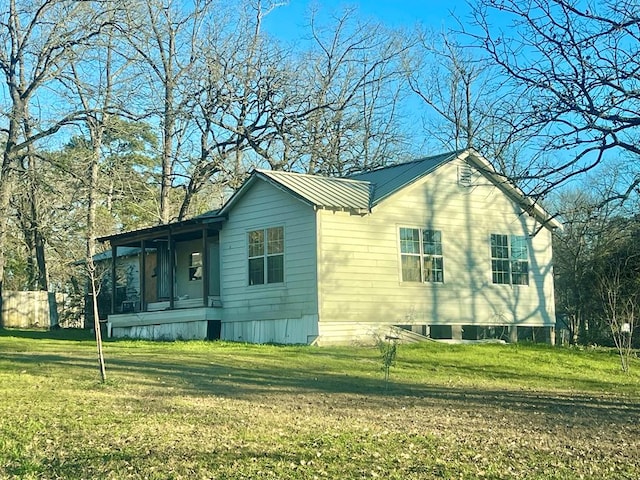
<point x="227" y="410"/>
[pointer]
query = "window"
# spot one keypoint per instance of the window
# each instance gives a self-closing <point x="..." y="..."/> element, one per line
<point x="421" y="255"/>
<point x="500" y="271"/>
<point x="509" y="259"/>
<point x="519" y="261"/>
<point x="266" y="256"/>
<point x="195" y="266"/>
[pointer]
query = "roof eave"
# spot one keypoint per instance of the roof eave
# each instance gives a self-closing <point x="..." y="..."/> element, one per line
<point x="159" y="229"/>
<point x="525" y="202"/>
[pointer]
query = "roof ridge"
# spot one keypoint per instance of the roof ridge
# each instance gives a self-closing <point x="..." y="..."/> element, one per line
<point x="452" y="153"/>
<point x="310" y="175"/>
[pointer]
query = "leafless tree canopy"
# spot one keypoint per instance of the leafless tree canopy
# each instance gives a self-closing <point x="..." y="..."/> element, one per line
<point x="474" y="105"/>
<point x="578" y="67"/>
<point x="148" y="111"/>
<point x="119" y="114"/>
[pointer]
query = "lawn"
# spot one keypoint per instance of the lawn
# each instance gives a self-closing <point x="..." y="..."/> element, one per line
<point x="230" y="411"/>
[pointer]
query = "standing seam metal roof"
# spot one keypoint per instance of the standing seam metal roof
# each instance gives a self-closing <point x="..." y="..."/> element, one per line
<point x="360" y="191"/>
<point x="324" y="191"/>
<point x="388" y="180"/>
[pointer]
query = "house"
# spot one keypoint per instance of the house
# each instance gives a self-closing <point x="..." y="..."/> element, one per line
<point x="441" y="246"/>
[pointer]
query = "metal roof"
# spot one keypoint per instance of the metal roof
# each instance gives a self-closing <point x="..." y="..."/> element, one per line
<point x="359" y="192"/>
<point x="192" y="224"/>
<point x="325" y="192"/>
<point x="390" y="179"/>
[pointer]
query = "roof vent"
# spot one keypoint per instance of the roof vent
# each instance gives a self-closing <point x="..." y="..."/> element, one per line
<point x="465" y="175"/>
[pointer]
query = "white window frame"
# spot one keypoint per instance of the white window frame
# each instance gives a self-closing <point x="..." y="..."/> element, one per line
<point x="430" y="264"/>
<point x="509" y="259"/>
<point x="195" y="266"/>
<point x="268" y="254"/>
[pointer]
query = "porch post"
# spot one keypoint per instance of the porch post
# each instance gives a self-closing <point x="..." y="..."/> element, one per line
<point x="172" y="270"/>
<point x="143" y="275"/>
<point x="205" y="268"/>
<point x="114" y="257"/>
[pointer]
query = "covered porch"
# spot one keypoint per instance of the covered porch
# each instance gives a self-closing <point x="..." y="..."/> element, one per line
<point x="173" y="290"/>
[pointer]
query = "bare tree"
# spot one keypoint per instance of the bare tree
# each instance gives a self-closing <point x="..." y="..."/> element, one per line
<point x="96" y="119"/>
<point x="165" y="36"/>
<point x="618" y="283"/>
<point x="331" y="109"/>
<point x="621" y="302"/>
<point x="354" y="83"/>
<point x="596" y="260"/>
<point x="241" y="98"/>
<point x="444" y="76"/>
<point x="36" y="40"/>
<point x="27" y="202"/>
<point x="473" y="106"/>
<point x="576" y="249"/>
<point x="576" y="65"/>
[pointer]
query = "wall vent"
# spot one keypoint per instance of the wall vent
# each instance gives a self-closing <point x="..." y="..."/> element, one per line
<point x="465" y="175"/>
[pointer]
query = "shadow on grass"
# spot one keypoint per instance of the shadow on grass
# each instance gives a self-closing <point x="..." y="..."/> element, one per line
<point x="222" y="375"/>
<point x="253" y="382"/>
<point x="72" y="334"/>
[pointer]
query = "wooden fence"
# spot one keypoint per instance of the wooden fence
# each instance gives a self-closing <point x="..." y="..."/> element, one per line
<point x="29" y="309"/>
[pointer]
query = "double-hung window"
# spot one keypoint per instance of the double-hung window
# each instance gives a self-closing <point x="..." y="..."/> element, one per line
<point x="266" y="256"/>
<point x="421" y="255"/>
<point x="509" y="259"/>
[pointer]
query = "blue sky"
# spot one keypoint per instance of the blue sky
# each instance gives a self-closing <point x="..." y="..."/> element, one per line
<point x="284" y="21"/>
<point x="289" y="23"/>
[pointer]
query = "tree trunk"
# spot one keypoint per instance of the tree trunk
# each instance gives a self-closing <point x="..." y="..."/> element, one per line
<point x="41" y="280"/>
<point x="167" y="167"/>
<point x="96" y="138"/>
<point x="96" y="325"/>
<point x="5" y="195"/>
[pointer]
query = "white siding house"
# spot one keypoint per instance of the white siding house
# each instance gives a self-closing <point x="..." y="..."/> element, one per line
<point x="442" y="247"/>
<point x="361" y="280"/>
<point x="284" y="310"/>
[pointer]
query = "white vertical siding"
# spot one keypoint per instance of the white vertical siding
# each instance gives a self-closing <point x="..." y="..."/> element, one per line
<point x="281" y="313"/>
<point x="359" y="260"/>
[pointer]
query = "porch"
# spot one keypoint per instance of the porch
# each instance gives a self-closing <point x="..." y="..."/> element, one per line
<point x="197" y="323"/>
<point x="172" y="289"/>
